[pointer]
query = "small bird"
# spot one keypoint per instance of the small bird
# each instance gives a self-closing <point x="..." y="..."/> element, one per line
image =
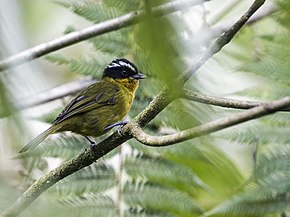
<point x="99" y="107"/>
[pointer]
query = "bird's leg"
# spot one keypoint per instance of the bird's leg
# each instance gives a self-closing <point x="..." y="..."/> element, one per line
<point x="120" y="124"/>
<point x="92" y="142"/>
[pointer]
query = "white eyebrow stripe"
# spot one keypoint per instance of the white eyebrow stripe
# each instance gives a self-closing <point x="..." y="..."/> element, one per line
<point x="111" y="65"/>
<point x="127" y="65"/>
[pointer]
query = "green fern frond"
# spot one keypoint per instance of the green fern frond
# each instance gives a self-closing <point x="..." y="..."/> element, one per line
<point x="64" y="146"/>
<point x="274" y="69"/>
<point x="160" y="199"/>
<point x="90" y="205"/>
<point x="115" y="43"/>
<point x="283" y="17"/>
<point x="269" y="187"/>
<point x="92" y="11"/>
<point x="93" y="179"/>
<point x="261" y="133"/>
<point x="92" y="65"/>
<point x="69" y="29"/>
<point x="275" y="160"/>
<point x="273" y="65"/>
<point x="137" y="212"/>
<point x="62" y="3"/>
<point x="90" y="200"/>
<point x="265" y="91"/>
<point x="163" y="172"/>
<point x="58" y="59"/>
<point x="278" y="120"/>
<point x="87" y="66"/>
<point x="125" y="5"/>
<point x="239" y="207"/>
<point x="267" y="190"/>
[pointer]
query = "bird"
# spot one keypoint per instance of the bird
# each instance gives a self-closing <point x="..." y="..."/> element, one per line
<point x="98" y="108"/>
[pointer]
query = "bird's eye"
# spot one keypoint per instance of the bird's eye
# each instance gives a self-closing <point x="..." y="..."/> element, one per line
<point x="125" y="73"/>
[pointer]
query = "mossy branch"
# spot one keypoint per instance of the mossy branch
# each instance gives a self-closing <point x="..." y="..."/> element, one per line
<point x="158" y="141"/>
<point x="85" y="158"/>
<point x="222" y="102"/>
<point x="89" y="156"/>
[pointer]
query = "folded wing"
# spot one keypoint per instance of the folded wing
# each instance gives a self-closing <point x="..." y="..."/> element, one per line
<point x="95" y="96"/>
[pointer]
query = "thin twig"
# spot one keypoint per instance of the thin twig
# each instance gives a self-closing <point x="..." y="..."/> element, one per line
<point x="216" y="30"/>
<point x="220" y="101"/>
<point x="222" y="11"/>
<point x="55" y="93"/>
<point x="255" y="143"/>
<point x="92" y="31"/>
<point x="221" y="41"/>
<point x="205" y="129"/>
<point x="119" y="188"/>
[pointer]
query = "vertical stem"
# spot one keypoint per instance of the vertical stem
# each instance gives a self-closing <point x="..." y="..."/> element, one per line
<point x="119" y="184"/>
<point x="255" y="151"/>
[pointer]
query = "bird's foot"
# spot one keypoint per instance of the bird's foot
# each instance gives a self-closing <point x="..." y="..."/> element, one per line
<point x="121" y="124"/>
<point x="119" y="129"/>
<point x="92" y="142"/>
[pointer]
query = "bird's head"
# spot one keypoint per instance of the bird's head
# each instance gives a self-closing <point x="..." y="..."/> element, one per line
<point x="122" y="69"/>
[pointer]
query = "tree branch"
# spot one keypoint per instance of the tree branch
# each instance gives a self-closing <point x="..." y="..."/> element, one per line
<point x="214" y="126"/>
<point x="268" y="9"/>
<point x="221" y="41"/>
<point x="54" y="93"/>
<point x="89" y="156"/>
<point x="92" y="31"/>
<point x="85" y="158"/>
<point x="49" y="95"/>
<point x="220" y="101"/>
<point x="208" y="34"/>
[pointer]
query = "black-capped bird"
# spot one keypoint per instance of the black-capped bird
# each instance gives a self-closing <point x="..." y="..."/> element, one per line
<point x="99" y="107"/>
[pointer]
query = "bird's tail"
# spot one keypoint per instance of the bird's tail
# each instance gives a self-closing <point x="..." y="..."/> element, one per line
<point x="37" y="140"/>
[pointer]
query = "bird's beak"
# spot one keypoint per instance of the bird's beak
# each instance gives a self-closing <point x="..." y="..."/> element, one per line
<point x="138" y="76"/>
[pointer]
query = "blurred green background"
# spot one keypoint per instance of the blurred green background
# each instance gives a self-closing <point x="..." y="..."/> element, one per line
<point x="214" y="175"/>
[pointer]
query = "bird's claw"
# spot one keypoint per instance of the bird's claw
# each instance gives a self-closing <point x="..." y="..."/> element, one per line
<point x="92" y="142"/>
<point x="92" y="146"/>
<point x="119" y="129"/>
<point x="120" y="125"/>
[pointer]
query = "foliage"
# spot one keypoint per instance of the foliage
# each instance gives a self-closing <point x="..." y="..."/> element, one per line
<point x="266" y="192"/>
<point x="193" y="178"/>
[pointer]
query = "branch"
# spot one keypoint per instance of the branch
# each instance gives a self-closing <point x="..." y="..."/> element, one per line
<point x="222" y="102"/>
<point x="92" y="31"/>
<point x="49" y="95"/>
<point x="222" y="11"/>
<point x="214" y="126"/>
<point x="85" y="158"/>
<point x="215" y="31"/>
<point x="89" y="156"/>
<point x="221" y="41"/>
<point x="54" y="93"/>
<point x="208" y="34"/>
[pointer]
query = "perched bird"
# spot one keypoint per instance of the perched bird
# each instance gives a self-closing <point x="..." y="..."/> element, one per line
<point x="99" y="107"/>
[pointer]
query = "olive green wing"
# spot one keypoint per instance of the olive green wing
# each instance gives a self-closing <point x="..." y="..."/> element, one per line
<point x="95" y="96"/>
